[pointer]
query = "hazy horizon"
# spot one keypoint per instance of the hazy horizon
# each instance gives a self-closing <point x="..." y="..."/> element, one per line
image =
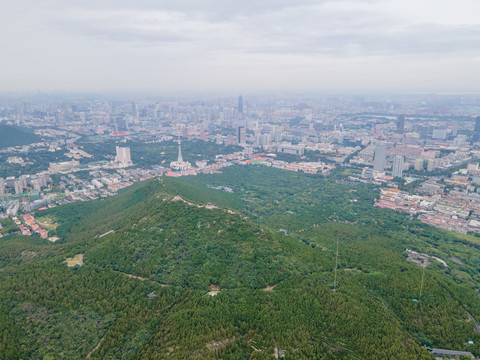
<point x="368" y="46"/>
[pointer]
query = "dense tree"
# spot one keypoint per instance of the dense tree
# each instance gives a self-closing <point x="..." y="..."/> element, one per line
<point x="143" y="291"/>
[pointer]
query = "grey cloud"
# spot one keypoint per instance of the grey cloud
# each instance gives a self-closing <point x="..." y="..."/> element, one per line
<point x="225" y="44"/>
<point x="300" y="29"/>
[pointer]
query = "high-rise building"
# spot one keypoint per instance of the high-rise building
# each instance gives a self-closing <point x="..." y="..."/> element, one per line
<point x="476" y="130"/>
<point x="460" y="140"/>
<point x="380" y="155"/>
<point x="440" y="134"/>
<point x="134" y="111"/>
<point x="258" y="138"/>
<point x="43" y="180"/>
<point x="123" y="156"/>
<point x="455" y="129"/>
<point x="401" y="124"/>
<point x="266" y="139"/>
<point x="18" y="187"/>
<point x="398" y="164"/>
<point x="121" y="124"/>
<point x="240" y="105"/>
<point x="2" y="186"/>
<point x="36" y="185"/>
<point x="241" y="135"/>
<point x="423" y="131"/>
<point x="229" y="140"/>
<point x="277" y="133"/>
<point x="419" y="165"/>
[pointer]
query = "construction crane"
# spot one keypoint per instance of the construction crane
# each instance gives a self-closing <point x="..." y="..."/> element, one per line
<point x="28" y="190"/>
<point x="5" y="195"/>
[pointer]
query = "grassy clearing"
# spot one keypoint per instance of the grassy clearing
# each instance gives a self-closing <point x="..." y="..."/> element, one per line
<point x="48" y="222"/>
<point x="76" y="260"/>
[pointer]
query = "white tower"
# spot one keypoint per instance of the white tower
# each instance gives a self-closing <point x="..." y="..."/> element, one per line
<point x="180" y="158"/>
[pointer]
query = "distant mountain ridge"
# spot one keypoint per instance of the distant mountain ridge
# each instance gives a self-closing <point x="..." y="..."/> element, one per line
<point x="16" y="136"/>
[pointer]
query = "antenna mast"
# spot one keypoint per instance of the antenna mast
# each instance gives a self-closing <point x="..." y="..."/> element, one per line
<point x="336" y="265"/>
<point x="421" y="283"/>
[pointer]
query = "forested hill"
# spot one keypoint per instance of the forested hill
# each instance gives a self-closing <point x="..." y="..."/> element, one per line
<point x="14" y="136"/>
<point x="197" y="268"/>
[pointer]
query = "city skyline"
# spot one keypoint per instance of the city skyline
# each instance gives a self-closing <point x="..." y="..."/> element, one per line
<point x="371" y="46"/>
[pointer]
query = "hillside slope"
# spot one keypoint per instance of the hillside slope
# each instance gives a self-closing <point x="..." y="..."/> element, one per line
<point x="14" y="136"/>
<point x="179" y="278"/>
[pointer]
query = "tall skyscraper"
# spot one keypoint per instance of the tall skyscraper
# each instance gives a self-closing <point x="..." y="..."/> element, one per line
<point x="419" y="165"/>
<point x="266" y="139"/>
<point x="476" y="130"/>
<point x="18" y="187"/>
<point x="277" y="133"/>
<point x="401" y="124"/>
<point x="241" y="135"/>
<point x="121" y="124"/>
<point x="423" y="131"/>
<point x="134" y="111"/>
<point x="123" y="156"/>
<point x="380" y="155"/>
<point x="398" y="164"/>
<point x="440" y="134"/>
<point x="455" y="129"/>
<point x="240" y="105"/>
<point x="229" y="140"/>
<point x="258" y="138"/>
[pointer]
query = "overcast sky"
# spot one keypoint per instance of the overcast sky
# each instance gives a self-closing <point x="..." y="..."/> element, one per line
<point x="211" y="45"/>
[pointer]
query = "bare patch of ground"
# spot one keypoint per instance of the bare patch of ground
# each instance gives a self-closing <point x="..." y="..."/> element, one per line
<point x="170" y="349"/>
<point x="418" y="258"/>
<point x="209" y="206"/>
<point x="214" y="345"/>
<point x="440" y="260"/>
<point x="107" y="233"/>
<point x="134" y="276"/>
<point x="422" y="259"/>
<point x="53" y="238"/>
<point x="28" y="255"/>
<point x="214" y="289"/>
<point x="76" y="260"/>
<point x="457" y="260"/>
<point x="269" y="288"/>
<point x="139" y="277"/>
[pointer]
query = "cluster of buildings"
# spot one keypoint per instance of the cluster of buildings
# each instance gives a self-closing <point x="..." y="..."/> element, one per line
<point x="309" y="167"/>
<point x="421" y="147"/>
<point x="458" y="211"/>
<point x="29" y="224"/>
<point x="386" y="139"/>
<point x="108" y="178"/>
<point x="98" y="184"/>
